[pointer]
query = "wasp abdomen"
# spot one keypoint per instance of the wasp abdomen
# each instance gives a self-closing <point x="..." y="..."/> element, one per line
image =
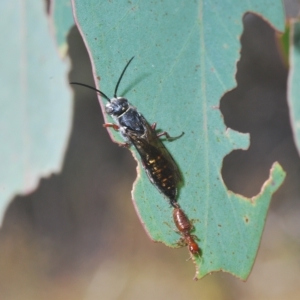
<point x="161" y="174"/>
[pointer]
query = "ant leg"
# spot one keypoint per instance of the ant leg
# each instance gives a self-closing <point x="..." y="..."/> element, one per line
<point x="195" y="237"/>
<point x="191" y="257"/>
<point x="153" y="126"/>
<point x="114" y="126"/>
<point x="182" y="242"/>
<point x="168" y="137"/>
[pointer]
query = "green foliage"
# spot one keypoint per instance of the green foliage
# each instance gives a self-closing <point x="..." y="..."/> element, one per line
<point x="185" y="60"/>
<point x="35" y="114"/>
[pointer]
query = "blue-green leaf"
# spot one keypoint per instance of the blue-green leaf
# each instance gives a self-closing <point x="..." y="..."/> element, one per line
<point x="185" y="60"/>
<point x="62" y="20"/>
<point x="35" y="102"/>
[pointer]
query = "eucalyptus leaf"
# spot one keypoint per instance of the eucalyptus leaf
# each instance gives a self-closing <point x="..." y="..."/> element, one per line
<point x="62" y="20"/>
<point x="35" y="102"/>
<point x="185" y="60"/>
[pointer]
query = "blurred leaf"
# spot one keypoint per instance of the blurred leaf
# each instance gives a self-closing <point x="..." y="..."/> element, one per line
<point x="35" y="114"/>
<point x="294" y="80"/>
<point x="62" y="20"/>
<point x="185" y="60"/>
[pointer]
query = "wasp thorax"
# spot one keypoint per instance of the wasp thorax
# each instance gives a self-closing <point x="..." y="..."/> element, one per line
<point x="117" y="106"/>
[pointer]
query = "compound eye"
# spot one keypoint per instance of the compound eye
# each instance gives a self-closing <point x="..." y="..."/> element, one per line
<point x="109" y="109"/>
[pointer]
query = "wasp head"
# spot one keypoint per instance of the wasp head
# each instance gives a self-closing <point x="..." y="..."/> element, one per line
<point x="117" y="106"/>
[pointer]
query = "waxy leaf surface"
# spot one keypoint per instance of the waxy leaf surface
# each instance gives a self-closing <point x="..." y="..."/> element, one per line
<point x="35" y="113"/>
<point x="62" y="21"/>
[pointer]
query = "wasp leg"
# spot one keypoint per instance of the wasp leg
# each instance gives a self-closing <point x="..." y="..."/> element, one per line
<point x="168" y="137"/>
<point x="114" y="126"/>
<point x="125" y="145"/>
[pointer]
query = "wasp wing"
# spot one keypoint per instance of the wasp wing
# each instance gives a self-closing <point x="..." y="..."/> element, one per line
<point x="157" y="161"/>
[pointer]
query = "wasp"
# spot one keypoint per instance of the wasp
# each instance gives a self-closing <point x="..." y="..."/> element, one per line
<point x="158" y="163"/>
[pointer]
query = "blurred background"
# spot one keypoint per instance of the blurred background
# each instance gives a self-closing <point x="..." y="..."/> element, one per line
<point x="78" y="236"/>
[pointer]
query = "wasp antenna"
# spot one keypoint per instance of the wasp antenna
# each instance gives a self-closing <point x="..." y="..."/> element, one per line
<point x="92" y="88"/>
<point x="116" y="89"/>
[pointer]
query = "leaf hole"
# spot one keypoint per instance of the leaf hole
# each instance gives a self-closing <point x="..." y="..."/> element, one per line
<point x="258" y="106"/>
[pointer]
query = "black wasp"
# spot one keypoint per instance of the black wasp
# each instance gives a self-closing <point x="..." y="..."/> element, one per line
<point x="157" y="161"/>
